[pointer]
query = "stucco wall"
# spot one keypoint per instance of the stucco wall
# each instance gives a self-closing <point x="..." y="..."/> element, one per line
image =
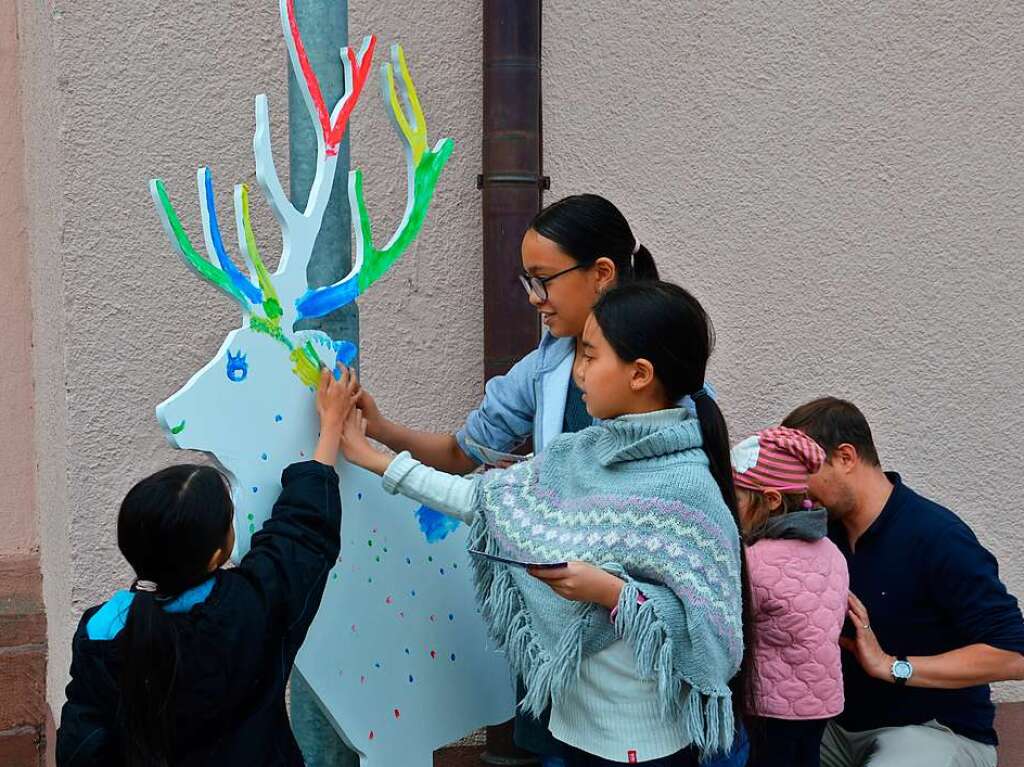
<point x="841" y="185"/>
<point x="843" y="191"/>
<point x="122" y="323"/>
<point x="17" y="453"/>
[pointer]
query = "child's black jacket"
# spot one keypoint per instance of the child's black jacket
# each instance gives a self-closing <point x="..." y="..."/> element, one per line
<point x="237" y="647"/>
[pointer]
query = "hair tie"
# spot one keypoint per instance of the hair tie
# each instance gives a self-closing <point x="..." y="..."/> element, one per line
<point x="807" y="504"/>
<point x="148" y="586"/>
<point x="636" y="249"/>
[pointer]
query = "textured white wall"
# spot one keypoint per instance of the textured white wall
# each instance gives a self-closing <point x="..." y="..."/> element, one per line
<point x="841" y="185"/>
<point x="841" y="188"/>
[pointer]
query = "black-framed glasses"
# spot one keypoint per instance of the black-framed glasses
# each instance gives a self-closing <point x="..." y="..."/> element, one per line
<point x="539" y="285"/>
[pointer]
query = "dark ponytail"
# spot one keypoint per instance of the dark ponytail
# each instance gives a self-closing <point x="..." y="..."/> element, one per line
<point x="667" y="326"/>
<point x="169" y="527"/>
<point x="588" y="227"/>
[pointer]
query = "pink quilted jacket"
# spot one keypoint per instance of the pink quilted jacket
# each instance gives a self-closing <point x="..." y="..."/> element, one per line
<point x="799" y="590"/>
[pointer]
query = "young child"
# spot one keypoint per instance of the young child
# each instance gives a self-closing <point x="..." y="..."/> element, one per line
<point x="634" y="641"/>
<point x="799" y="582"/>
<point x="189" y="666"/>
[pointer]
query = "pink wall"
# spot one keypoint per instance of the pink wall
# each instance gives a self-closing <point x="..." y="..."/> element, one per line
<point x="18" y="530"/>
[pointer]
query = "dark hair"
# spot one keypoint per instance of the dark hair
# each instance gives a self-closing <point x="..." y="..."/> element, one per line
<point x="832" y="422"/>
<point x="169" y="526"/>
<point x="664" y="324"/>
<point x="588" y="227"/>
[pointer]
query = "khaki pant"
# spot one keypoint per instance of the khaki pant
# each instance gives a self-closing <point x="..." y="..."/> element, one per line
<point x="925" y="745"/>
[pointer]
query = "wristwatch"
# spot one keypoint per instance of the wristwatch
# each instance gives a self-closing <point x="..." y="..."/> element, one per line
<point x="901" y="670"/>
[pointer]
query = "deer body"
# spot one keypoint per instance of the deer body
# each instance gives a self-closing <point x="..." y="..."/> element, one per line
<point x="398" y="654"/>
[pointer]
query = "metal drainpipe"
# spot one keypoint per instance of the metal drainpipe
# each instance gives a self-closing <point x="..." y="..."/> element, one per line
<point x="512" y="183"/>
<point x="324" y="25"/>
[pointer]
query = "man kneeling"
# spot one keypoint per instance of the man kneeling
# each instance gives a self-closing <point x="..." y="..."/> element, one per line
<point x="932" y="624"/>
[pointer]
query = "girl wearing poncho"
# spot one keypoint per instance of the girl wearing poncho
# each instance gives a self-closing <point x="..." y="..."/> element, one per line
<point x="635" y="641"/>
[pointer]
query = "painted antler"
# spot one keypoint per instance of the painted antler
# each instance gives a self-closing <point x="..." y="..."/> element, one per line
<point x="329" y="129"/>
<point x="424" y="167"/>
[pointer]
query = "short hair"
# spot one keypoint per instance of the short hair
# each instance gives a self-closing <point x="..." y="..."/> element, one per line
<point x="832" y="422"/>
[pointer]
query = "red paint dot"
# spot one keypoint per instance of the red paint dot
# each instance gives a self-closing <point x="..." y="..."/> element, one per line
<point x="371" y="734"/>
<point x="433" y="654"/>
<point x="387" y="601"/>
<point x="353" y="627"/>
<point x="362" y="680"/>
<point x="397" y="714"/>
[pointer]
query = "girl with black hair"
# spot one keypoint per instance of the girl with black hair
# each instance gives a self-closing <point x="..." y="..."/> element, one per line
<point x="189" y="666"/>
<point x="634" y="631"/>
<point x="574" y="251"/>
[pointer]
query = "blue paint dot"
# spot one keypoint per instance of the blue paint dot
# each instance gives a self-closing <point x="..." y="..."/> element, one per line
<point x="442" y="571"/>
<point x="376" y="665"/>
<point x="451" y="616"/>
<point x="278" y="419"/>
<point x="453" y="657"/>
<point x="410" y="678"/>
<point x="255" y="489"/>
<point x="359" y="496"/>
<point x="408" y="561"/>
<point x="406" y="650"/>
<point x="264" y="456"/>
<point x="413" y="592"/>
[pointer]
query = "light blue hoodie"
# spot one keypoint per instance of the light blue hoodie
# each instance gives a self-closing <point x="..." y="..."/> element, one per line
<point x="528" y="401"/>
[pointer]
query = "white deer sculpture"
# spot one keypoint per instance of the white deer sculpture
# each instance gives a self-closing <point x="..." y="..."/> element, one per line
<point x="398" y="654"/>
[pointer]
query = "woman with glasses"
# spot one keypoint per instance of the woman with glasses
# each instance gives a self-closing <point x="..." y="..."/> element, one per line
<point x="573" y="252"/>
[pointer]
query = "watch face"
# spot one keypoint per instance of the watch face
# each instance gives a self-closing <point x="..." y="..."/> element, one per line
<point x="901" y="669"/>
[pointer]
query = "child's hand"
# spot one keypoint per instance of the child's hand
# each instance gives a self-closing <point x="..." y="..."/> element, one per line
<point x="357" y="448"/>
<point x="582" y="582"/>
<point x="335" y="398"/>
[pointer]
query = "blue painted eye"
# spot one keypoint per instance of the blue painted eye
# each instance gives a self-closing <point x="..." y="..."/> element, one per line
<point x="238" y="368"/>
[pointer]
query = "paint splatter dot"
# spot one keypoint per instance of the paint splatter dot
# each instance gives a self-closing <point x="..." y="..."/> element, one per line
<point x="388" y="601"/>
<point x="410" y="678"/>
<point x="370" y="543"/>
<point x="353" y="628"/>
<point x="433" y="654"/>
<point x="398" y="714"/>
<point x="371" y="734"/>
<point x="385" y="549"/>
<point x="413" y="592"/>
<point x="402" y="615"/>
<point x="302" y="454"/>
<point x="430" y="559"/>
<point x="362" y="679"/>
<point x="442" y="571"/>
<point x="406" y="650"/>
<point x="250" y="517"/>
<point x="278" y="419"/>
<point x="334" y="576"/>
<point x="377" y="558"/>
<point x="455" y="565"/>
<point x="263" y="456"/>
<point x="376" y="665"/>
<point x="369" y="580"/>
<point x="453" y="657"/>
<point x="255" y="489"/>
<point x="178" y="429"/>
<point x="252" y="528"/>
<point x="434" y="525"/>
<point x="359" y="496"/>
<point x="408" y="560"/>
<point x="433" y="618"/>
<point x="451" y="616"/>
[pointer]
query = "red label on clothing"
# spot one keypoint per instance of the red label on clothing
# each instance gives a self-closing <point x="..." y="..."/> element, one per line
<point x="632" y="757"/>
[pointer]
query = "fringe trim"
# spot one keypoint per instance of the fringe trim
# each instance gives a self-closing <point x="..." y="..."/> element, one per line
<point x="708" y="715"/>
<point x="508" y="622"/>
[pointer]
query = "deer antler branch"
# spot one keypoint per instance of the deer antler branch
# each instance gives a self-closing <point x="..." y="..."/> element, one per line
<point x="329" y="126"/>
<point x="227" y="281"/>
<point x="424" y="167"/>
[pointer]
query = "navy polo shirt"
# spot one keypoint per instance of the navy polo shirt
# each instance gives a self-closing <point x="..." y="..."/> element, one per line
<point x="929" y="587"/>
